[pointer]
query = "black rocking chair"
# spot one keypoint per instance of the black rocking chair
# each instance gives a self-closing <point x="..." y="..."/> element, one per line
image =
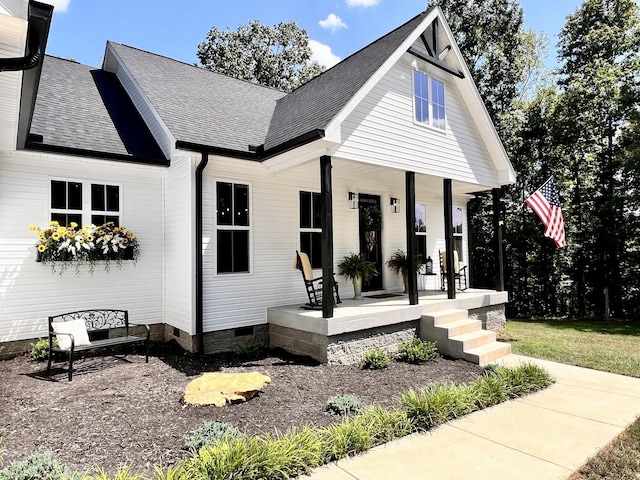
<point x="313" y="285"/>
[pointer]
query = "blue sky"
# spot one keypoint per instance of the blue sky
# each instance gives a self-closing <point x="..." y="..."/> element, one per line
<point x="336" y="28"/>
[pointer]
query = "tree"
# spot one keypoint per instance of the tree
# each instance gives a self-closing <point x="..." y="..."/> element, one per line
<point x="278" y="56"/>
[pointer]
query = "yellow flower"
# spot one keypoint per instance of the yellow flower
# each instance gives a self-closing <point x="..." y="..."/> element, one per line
<point x="42" y="248"/>
<point x="86" y="228"/>
<point x="55" y="236"/>
<point x="89" y="238"/>
<point x="32" y="228"/>
<point x="53" y="223"/>
<point x="73" y="224"/>
<point x="41" y="236"/>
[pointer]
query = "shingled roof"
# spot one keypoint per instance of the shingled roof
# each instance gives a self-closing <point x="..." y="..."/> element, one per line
<point x="316" y="103"/>
<point x="83" y="110"/>
<point x="200" y="106"/>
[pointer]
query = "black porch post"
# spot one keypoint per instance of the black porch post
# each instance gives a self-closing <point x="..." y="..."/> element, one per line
<point x="448" y="236"/>
<point x="412" y="279"/>
<point x="497" y="229"/>
<point x="326" y="211"/>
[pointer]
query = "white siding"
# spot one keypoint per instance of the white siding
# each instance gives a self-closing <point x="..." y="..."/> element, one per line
<point x="12" y="39"/>
<point x="179" y="234"/>
<point x="381" y="131"/>
<point x="234" y="300"/>
<point x="30" y="291"/>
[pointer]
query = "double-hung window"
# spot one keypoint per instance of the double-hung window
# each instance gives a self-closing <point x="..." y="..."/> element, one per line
<point x="428" y="100"/>
<point x="311" y="227"/>
<point x="457" y="231"/>
<point x="233" y="222"/>
<point x="85" y="202"/>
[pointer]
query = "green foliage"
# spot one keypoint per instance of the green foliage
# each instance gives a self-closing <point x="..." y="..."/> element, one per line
<point x="375" y="359"/>
<point x="209" y="432"/>
<point x="436" y="403"/>
<point x="40" y="349"/>
<point x="417" y="351"/>
<point x="344" y="404"/>
<point x="399" y="263"/>
<point x="250" y="349"/>
<point x="37" y="466"/>
<point x="277" y="56"/>
<point x="356" y="265"/>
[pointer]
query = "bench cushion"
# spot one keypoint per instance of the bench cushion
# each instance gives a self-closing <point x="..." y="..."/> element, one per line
<point x="77" y="328"/>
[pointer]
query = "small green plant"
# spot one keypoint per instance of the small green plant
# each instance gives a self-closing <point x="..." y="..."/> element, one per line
<point x="344" y="404"/>
<point x="438" y="402"/>
<point x="250" y="349"/>
<point x="375" y="359"/>
<point x="40" y="349"/>
<point x="39" y="466"/>
<point x="417" y="351"/>
<point x="207" y="434"/>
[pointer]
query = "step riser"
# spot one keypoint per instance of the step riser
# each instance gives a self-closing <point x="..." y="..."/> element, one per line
<point x="464" y="345"/>
<point x="446" y="316"/>
<point x="501" y="350"/>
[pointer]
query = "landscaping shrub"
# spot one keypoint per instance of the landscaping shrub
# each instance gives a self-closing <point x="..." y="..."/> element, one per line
<point x="523" y="379"/>
<point x="375" y="359"/>
<point x="417" y="351"/>
<point x="209" y="432"/>
<point x="344" y="404"/>
<point x="436" y="403"/>
<point x="40" y="349"/>
<point x="37" y="466"/>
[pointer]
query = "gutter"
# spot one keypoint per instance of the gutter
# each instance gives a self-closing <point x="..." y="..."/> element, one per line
<point x="199" y="257"/>
<point x="39" y="18"/>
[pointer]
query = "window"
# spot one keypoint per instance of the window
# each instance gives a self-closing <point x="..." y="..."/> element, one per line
<point x="428" y="99"/>
<point x="457" y="231"/>
<point x="421" y="230"/>
<point x="233" y="227"/>
<point x="85" y="202"/>
<point x="311" y="227"/>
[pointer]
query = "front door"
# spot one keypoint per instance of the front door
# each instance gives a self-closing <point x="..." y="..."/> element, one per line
<point x="371" y="236"/>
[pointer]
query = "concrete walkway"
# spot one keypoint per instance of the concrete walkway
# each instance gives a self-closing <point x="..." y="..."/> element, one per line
<point x="546" y="435"/>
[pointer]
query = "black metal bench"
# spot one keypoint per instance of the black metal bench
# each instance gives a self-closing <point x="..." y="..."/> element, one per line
<point x="105" y="328"/>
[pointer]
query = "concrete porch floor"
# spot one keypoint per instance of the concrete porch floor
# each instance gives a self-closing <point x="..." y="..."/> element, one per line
<point x="359" y="325"/>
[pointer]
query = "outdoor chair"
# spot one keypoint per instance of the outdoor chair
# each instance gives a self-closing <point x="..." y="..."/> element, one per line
<point x="459" y="273"/>
<point x="313" y="285"/>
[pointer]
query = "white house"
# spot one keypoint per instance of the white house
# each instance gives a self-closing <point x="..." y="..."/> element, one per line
<point x="222" y="179"/>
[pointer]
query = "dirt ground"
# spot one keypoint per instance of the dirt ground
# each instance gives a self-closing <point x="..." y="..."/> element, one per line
<point x="119" y="410"/>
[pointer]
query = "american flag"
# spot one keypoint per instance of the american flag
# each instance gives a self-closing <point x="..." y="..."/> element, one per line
<point x="545" y="202"/>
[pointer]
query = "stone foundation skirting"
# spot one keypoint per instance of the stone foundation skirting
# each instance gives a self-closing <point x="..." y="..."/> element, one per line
<point x="492" y="317"/>
<point x="229" y="340"/>
<point x="344" y="349"/>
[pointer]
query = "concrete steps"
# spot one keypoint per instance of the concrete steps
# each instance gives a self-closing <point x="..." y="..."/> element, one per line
<point x="457" y="336"/>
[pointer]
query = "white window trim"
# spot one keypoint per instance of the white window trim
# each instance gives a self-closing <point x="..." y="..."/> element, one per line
<point x="461" y="234"/>
<point x="306" y="229"/>
<point x="232" y="227"/>
<point x="430" y="93"/>
<point x="86" y="211"/>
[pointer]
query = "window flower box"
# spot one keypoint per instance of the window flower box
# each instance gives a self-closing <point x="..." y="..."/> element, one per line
<point x="63" y="247"/>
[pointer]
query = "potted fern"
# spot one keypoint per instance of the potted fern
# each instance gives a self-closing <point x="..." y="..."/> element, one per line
<point x="357" y="268"/>
<point x="399" y="264"/>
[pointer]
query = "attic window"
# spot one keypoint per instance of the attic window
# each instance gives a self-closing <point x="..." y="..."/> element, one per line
<point x="428" y="100"/>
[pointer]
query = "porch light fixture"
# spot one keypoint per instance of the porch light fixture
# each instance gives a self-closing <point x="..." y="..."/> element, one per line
<point x="394" y="203"/>
<point x="353" y="200"/>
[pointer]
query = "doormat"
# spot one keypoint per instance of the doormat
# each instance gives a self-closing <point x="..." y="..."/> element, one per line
<point x="385" y="295"/>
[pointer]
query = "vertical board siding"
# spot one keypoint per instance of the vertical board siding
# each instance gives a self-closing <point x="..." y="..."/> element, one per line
<point x="30" y="291"/>
<point x="234" y="300"/>
<point x="381" y="131"/>
<point x="179" y="255"/>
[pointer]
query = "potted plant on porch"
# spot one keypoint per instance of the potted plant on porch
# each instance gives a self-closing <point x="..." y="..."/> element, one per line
<point x="399" y="264"/>
<point x="357" y="268"/>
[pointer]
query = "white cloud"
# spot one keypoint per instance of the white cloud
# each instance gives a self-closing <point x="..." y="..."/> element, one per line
<point x="321" y="53"/>
<point x="59" y="5"/>
<point x="333" y="22"/>
<point x="362" y="3"/>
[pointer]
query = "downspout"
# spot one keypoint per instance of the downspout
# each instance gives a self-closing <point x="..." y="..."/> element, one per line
<point x="199" y="255"/>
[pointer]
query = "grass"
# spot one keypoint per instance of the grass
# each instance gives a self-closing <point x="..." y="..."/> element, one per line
<point x="607" y="346"/>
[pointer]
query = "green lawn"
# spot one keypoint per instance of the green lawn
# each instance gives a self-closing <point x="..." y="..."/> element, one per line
<point x="608" y="346"/>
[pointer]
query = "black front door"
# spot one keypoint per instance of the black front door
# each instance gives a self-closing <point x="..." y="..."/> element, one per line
<point x="371" y="236"/>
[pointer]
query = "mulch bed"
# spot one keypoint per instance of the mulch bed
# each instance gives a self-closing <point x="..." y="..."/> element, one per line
<point x="119" y="410"/>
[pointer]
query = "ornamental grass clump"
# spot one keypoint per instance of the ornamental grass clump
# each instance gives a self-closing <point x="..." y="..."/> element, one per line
<point x="62" y="246"/>
<point x="417" y="351"/>
<point x="437" y="403"/>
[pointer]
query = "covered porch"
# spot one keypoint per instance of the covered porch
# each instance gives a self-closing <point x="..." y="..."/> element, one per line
<point x="463" y="327"/>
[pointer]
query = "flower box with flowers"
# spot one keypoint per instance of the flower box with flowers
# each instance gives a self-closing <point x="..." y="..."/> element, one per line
<point x="65" y="246"/>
